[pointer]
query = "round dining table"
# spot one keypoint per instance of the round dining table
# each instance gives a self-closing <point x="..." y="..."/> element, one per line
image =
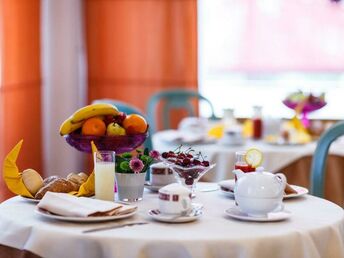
<point x="314" y="229"/>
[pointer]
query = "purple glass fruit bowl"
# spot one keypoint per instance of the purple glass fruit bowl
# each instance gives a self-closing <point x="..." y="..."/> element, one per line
<point x="308" y="107"/>
<point x="118" y="143"/>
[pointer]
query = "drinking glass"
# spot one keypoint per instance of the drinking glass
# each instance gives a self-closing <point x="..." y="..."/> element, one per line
<point x="240" y="163"/>
<point x="104" y="171"/>
<point x="189" y="176"/>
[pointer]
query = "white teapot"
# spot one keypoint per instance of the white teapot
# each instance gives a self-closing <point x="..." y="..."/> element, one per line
<point x="258" y="193"/>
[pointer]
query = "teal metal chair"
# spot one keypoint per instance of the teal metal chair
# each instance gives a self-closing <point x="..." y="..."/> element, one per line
<point x="172" y="99"/>
<point x="320" y="157"/>
<point x="128" y="109"/>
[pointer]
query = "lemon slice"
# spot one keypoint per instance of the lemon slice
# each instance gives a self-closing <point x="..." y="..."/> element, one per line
<point x="254" y="157"/>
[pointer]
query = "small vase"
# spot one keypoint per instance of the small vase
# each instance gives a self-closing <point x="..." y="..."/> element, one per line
<point x="130" y="186"/>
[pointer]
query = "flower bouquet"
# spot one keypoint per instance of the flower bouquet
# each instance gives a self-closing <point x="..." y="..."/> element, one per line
<point x="131" y="173"/>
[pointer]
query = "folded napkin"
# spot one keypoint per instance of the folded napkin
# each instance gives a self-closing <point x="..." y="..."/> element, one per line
<point x="227" y="185"/>
<point x="68" y="205"/>
<point x="13" y="178"/>
<point x="11" y="175"/>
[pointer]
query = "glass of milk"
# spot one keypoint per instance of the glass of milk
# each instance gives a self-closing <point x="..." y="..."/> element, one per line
<point x="104" y="170"/>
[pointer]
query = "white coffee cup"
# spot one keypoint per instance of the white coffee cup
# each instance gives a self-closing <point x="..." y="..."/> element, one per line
<point x="174" y="199"/>
<point x="161" y="174"/>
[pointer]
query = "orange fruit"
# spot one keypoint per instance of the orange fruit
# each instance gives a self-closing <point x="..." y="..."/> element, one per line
<point x="134" y="124"/>
<point x="93" y="126"/>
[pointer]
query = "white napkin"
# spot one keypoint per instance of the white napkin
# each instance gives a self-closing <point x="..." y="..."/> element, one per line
<point x="227" y="185"/>
<point x="68" y="205"/>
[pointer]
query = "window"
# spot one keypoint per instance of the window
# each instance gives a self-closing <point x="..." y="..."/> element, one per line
<point x="256" y="52"/>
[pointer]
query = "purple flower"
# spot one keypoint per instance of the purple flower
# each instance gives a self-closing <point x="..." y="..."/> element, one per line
<point x="136" y="165"/>
<point x="154" y="154"/>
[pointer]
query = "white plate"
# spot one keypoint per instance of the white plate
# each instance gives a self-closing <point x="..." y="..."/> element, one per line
<point x="236" y="213"/>
<point x="227" y="184"/>
<point x="227" y="193"/>
<point x="153" y="188"/>
<point x="300" y="191"/>
<point x="49" y="215"/>
<point x="181" y="219"/>
<point x="29" y="199"/>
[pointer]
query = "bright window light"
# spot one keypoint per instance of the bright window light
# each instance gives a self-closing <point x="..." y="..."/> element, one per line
<point x="258" y="52"/>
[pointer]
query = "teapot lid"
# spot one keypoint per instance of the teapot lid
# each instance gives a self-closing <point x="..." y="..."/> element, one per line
<point x="260" y="185"/>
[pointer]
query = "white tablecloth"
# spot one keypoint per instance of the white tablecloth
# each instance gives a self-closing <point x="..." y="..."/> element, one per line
<point x="316" y="229"/>
<point x="275" y="156"/>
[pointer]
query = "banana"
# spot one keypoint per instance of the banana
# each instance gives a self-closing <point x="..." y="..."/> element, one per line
<point x="67" y="126"/>
<point x="93" y="110"/>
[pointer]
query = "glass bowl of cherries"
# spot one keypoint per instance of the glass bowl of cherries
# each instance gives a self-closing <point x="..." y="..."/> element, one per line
<point x="187" y="166"/>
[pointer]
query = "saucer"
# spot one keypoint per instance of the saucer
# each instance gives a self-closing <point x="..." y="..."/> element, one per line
<point x="236" y="213"/>
<point x="195" y="214"/>
<point x="153" y="188"/>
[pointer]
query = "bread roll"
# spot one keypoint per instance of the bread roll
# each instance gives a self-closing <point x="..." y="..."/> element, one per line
<point x="83" y="176"/>
<point x="49" y="179"/>
<point x="60" y="185"/>
<point x="74" y="178"/>
<point x="32" y="180"/>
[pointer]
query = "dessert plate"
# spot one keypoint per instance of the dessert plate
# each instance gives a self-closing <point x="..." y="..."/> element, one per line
<point x="227" y="192"/>
<point x="29" y="199"/>
<point x="300" y="192"/>
<point x="236" y="213"/>
<point x="226" y="187"/>
<point x="49" y="215"/>
<point x="153" y="188"/>
<point x="195" y="214"/>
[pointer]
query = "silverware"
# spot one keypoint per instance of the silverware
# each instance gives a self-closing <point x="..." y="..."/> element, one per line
<point x="114" y="226"/>
<point x="194" y="212"/>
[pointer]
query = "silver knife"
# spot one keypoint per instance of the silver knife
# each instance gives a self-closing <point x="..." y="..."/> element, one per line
<point x="114" y="226"/>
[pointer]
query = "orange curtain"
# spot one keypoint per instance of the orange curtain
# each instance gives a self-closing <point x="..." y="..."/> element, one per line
<point x="138" y="47"/>
<point x="20" y="115"/>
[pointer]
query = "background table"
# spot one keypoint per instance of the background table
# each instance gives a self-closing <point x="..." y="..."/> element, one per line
<point x="311" y="232"/>
<point x="292" y="160"/>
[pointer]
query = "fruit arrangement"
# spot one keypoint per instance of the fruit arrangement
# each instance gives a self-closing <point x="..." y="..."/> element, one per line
<point x="305" y="102"/>
<point x="104" y="124"/>
<point x="188" y="166"/>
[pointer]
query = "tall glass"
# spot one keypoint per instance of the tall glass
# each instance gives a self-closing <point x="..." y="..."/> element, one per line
<point x="104" y="171"/>
<point x="240" y="163"/>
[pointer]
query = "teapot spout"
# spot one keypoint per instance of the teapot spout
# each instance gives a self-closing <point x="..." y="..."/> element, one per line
<point x="238" y="172"/>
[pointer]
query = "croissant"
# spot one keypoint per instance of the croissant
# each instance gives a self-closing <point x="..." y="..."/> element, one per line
<point x="60" y="185"/>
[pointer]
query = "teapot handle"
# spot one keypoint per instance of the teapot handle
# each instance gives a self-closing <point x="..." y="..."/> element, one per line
<point x="282" y="180"/>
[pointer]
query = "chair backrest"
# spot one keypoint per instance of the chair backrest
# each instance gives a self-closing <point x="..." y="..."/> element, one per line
<point x="175" y="98"/>
<point x="320" y="157"/>
<point x="128" y="109"/>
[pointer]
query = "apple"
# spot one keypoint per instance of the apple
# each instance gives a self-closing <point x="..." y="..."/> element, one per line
<point x="115" y="129"/>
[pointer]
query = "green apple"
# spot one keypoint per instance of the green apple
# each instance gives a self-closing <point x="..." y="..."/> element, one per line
<point x="115" y="129"/>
